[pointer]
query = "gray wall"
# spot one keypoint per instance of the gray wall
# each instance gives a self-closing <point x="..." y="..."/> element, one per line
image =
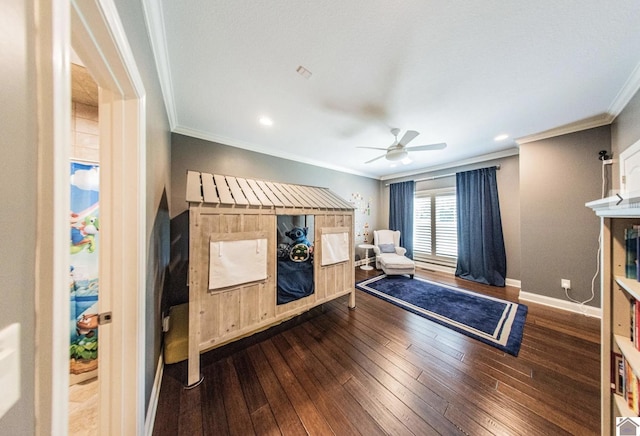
<point x="508" y="193"/>
<point x="18" y="124"/>
<point x="158" y="167"/>
<point x="194" y="154"/>
<point x="559" y="234"/>
<point x="199" y="155"/>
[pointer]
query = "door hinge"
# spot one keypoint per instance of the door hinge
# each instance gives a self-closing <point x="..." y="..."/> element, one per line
<point x="104" y="318"/>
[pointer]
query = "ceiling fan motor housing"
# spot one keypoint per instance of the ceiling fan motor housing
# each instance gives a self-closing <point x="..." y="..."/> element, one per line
<point x="397" y="154"/>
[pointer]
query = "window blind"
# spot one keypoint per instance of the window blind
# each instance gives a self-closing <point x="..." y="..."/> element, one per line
<point x="435" y="234"/>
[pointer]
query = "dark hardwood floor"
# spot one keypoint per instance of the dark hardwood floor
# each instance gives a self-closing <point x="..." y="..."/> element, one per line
<point x="382" y="370"/>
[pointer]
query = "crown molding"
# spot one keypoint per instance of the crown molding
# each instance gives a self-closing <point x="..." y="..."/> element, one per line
<point x="155" y="27"/>
<point x="629" y="89"/>
<point x="587" y="123"/>
<point x="622" y="99"/>
<point x="262" y="150"/>
<point x="478" y="159"/>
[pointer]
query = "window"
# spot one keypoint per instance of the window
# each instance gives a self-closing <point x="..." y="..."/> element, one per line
<point x="435" y="226"/>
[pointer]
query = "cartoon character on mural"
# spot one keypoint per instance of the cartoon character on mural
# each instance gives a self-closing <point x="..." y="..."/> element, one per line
<point x="83" y="234"/>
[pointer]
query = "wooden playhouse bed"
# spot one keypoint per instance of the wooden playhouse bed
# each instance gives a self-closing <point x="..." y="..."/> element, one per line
<point x="235" y="238"/>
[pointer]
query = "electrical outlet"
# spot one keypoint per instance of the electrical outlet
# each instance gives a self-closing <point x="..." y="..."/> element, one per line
<point x="165" y="324"/>
<point x="565" y="283"/>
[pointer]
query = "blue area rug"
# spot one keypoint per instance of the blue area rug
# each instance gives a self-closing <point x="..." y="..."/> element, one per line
<point x="491" y="320"/>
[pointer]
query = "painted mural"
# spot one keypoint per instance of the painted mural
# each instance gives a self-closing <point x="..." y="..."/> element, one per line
<point x="83" y="275"/>
<point x="362" y="216"/>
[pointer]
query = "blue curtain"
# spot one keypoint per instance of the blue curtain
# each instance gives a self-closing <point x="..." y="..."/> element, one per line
<point x="401" y="213"/>
<point x="481" y="253"/>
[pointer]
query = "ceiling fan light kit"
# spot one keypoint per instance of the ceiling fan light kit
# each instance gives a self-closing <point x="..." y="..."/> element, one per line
<point x="397" y="154"/>
<point x="398" y="151"/>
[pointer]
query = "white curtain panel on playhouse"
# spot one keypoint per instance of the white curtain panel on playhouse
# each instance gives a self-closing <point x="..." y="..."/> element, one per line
<point x="335" y="248"/>
<point x="236" y="262"/>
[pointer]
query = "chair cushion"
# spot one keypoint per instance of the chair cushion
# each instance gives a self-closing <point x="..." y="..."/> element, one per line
<point x="395" y="262"/>
<point x="387" y="248"/>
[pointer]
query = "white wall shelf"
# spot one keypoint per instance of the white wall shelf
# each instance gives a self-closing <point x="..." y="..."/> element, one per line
<point x="631" y="286"/>
<point x="617" y="214"/>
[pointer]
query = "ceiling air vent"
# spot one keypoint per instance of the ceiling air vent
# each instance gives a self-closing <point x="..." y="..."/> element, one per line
<point x="303" y="72"/>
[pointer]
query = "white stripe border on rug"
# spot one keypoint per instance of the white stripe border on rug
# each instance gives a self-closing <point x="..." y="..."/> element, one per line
<point x="509" y="311"/>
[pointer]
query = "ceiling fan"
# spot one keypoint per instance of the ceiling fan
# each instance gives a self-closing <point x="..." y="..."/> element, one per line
<point x="399" y="150"/>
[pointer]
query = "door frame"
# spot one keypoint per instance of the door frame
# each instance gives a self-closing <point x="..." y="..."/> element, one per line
<point x="95" y="31"/>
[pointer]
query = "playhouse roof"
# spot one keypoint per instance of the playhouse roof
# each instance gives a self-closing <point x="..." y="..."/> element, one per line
<point x="236" y="191"/>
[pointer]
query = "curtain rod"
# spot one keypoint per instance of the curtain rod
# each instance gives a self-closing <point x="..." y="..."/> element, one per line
<point x="442" y="176"/>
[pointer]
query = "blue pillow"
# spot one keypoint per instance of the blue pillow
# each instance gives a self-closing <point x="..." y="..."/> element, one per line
<point x="387" y="248"/>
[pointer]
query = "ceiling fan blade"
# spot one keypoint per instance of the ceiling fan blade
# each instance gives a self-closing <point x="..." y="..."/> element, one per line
<point x="375" y="158"/>
<point x="439" y="146"/>
<point x="374" y="148"/>
<point x="408" y="137"/>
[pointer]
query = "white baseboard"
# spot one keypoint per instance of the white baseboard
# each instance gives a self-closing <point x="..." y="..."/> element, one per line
<point x="358" y="262"/>
<point x="367" y="260"/>
<point x="155" y="395"/>
<point x="435" y="267"/>
<point x="513" y="282"/>
<point x="557" y="303"/>
<point x="451" y="270"/>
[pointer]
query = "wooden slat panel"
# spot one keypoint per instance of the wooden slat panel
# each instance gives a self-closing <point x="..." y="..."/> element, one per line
<point x="337" y="200"/>
<point x="194" y="192"/>
<point x="267" y="191"/>
<point x="223" y="190"/>
<point x="248" y="192"/>
<point x="250" y="304"/>
<point x="275" y="191"/>
<point x="208" y="318"/>
<point x="259" y="193"/>
<point x="295" y="198"/>
<point x="282" y="193"/>
<point x="344" y="202"/>
<point x="327" y="198"/>
<point x="307" y="201"/>
<point x="197" y="289"/>
<point x="229" y="312"/>
<point x="317" y="198"/>
<point x="209" y="189"/>
<point x="237" y="193"/>
<point x="268" y="297"/>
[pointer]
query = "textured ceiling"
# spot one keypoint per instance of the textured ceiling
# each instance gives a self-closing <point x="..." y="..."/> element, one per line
<point x="83" y="88"/>
<point x="458" y="72"/>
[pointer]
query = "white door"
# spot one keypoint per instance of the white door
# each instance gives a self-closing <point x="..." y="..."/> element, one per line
<point x="98" y="37"/>
<point x="100" y="41"/>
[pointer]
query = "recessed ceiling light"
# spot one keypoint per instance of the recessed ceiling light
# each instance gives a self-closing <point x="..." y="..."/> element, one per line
<point x="265" y="121"/>
<point x="501" y="137"/>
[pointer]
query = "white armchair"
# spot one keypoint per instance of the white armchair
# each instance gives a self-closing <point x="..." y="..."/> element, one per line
<point x="390" y="256"/>
<point x="390" y="242"/>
